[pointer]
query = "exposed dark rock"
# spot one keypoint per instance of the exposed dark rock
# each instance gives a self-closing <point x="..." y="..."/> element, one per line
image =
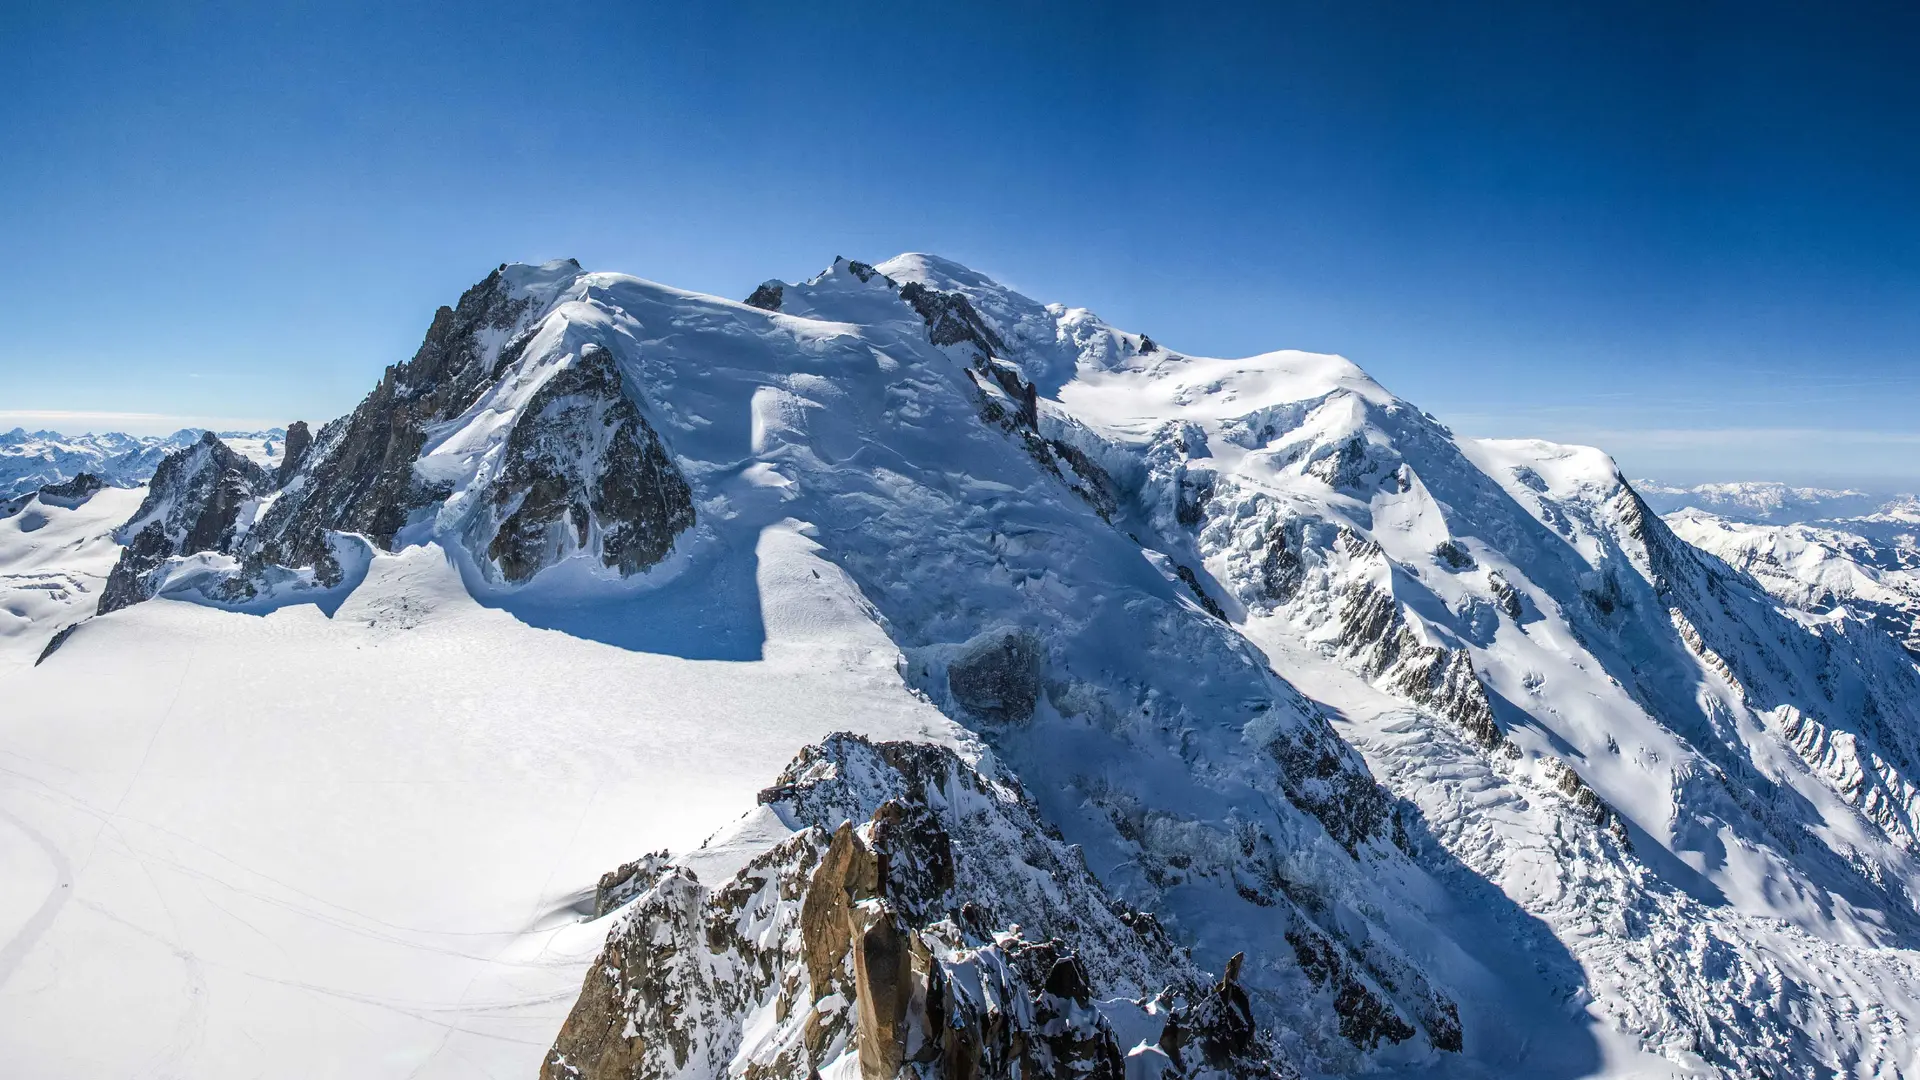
<point x="193" y="504"/>
<point x="768" y="296"/>
<point x="72" y="493"/>
<point x="361" y="478"/>
<point x="53" y="644"/>
<point x="582" y="462"/>
<point x="1216" y="1031"/>
<point x="1190" y="505"/>
<point x="1366" y="1019"/>
<point x="1199" y="591"/>
<point x="1568" y="783"/>
<point x="951" y="319"/>
<point x="1443" y="679"/>
<point x="581" y="467"/>
<point x="851" y="937"/>
<point x="1356" y="466"/>
<point x="1453" y="556"/>
<point x="1094" y="484"/>
<point x="1026" y="398"/>
<point x="997" y="675"/>
<point x="622" y="884"/>
<point x="1323" y="776"/>
<point x="1281" y="568"/>
<point x="1147" y="345"/>
<point x="1507" y="597"/>
<point x="293" y="452"/>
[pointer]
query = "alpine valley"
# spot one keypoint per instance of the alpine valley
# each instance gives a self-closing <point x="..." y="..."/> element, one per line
<point x="893" y="676"/>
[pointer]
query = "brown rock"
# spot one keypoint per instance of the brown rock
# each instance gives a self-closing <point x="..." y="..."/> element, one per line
<point x="883" y="985"/>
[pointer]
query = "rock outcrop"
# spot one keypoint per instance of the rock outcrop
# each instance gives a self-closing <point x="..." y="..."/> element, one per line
<point x="198" y="501"/>
<point x="359" y="476"/>
<point x="996" y="676"/>
<point x="580" y="470"/>
<point x="582" y="464"/>
<point x="72" y="493"/>
<point x="922" y="921"/>
<point x="293" y="452"/>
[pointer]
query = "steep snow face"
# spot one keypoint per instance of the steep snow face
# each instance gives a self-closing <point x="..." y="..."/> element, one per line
<point x="29" y="459"/>
<point x="1523" y="649"/>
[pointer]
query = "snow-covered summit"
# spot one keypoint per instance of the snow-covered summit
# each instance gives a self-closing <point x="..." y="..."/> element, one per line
<point x="1473" y="763"/>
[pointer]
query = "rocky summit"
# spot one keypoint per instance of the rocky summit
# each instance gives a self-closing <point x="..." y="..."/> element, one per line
<point x="893" y="675"/>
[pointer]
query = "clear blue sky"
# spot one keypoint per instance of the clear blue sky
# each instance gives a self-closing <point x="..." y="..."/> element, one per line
<point x="1690" y="237"/>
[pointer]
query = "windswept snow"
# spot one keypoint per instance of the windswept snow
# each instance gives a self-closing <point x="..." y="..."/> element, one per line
<point x="54" y="561"/>
<point x="294" y="845"/>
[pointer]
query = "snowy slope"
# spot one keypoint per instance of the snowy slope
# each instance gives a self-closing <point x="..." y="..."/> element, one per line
<point x="54" y="560"/>
<point x="1484" y="770"/>
<point x="298" y="845"/>
<point x="1341" y="524"/>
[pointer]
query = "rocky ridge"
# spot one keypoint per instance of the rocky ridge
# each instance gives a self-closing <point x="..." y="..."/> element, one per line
<point x="900" y="930"/>
<point x="577" y="468"/>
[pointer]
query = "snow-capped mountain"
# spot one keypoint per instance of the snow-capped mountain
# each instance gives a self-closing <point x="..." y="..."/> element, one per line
<point x="1867" y="567"/>
<point x="1118" y="712"/>
<point x="29" y="459"/>
<point x="1770" y="503"/>
<point x="1815" y="550"/>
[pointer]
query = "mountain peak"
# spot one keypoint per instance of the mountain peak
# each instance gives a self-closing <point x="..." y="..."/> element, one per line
<point x="936" y="272"/>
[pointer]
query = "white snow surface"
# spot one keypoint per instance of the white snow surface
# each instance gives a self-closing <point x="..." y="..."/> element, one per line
<point x="54" y="560"/>
<point x="293" y="841"/>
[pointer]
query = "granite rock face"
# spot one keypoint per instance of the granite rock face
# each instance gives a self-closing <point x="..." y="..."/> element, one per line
<point x="358" y="475"/>
<point x="198" y="501"/>
<point x="582" y="464"/>
<point x="902" y="930"/>
<point x="579" y="470"/>
<point x="293" y="452"/>
<point x="996" y="675"/>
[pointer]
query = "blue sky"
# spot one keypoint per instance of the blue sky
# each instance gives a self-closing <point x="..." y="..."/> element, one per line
<point x="1688" y="237"/>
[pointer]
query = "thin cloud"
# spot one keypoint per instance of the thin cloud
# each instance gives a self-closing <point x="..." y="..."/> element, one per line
<point x="80" y="414"/>
<point x="76" y="421"/>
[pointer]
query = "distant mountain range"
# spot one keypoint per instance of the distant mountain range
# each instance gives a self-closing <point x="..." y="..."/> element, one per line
<point x="29" y="459"/>
<point x="1817" y="550"/>
<point x="1770" y="503"/>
